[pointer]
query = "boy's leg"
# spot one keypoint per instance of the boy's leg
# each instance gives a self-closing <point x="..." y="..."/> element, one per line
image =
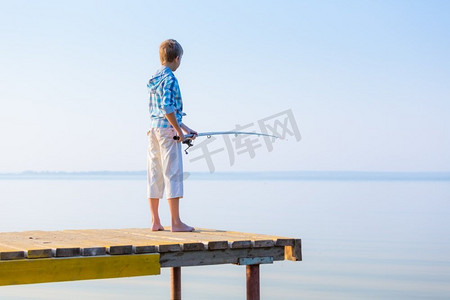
<point x="156" y="222"/>
<point x="177" y="225"/>
<point x="172" y="163"/>
<point x="155" y="183"/>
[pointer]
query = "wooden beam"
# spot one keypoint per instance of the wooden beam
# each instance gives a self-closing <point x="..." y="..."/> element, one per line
<point x="214" y="257"/>
<point x="26" y="271"/>
<point x="294" y="252"/>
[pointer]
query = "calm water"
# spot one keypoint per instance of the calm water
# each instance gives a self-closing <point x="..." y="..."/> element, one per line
<point x="361" y="239"/>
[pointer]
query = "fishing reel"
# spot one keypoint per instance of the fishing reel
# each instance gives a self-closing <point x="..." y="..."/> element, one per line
<point x="187" y="141"/>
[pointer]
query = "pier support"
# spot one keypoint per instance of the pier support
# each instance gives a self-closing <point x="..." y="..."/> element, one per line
<point x="175" y="281"/>
<point x="252" y="282"/>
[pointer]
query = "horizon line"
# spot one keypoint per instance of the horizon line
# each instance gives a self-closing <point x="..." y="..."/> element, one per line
<point x="44" y="172"/>
<point x="143" y="170"/>
<point x="240" y="175"/>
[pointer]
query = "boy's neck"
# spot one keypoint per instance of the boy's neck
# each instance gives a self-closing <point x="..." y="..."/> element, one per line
<point x="170" y="65"/>
<point x="173" y="65"/>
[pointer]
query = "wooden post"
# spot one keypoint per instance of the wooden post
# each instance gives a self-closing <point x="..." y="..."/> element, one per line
<point x="175" y="280"/>
<point x="252" y="282"/>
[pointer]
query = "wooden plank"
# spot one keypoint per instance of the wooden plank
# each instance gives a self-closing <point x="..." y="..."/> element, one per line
<point x="39" y="253"/>
<point x="193" y="246"/>
<point x="261" y="240"/>
<point x="144" y="249"/>
<point x="22" y="250"/>
<point x="93" y="251"/>
<point x="217" y="245"/>
<point x="185" y="238"/>
<point x="188" y="241"/>
<point x="113" y="244"/>
<point x="214" y="257"/>
<point x="234" y="234"/>
<point x="120" y="250"/>
<point x="13" y="254"/>
<point x="212" y="241"/>
<point x="258" y="240"/>
<point x="32" y="239"/>
<point x="284" y="242"/>
<point x="8" y="252"/>
<point x="119" y="241"/>
<point x="191" y="241"/>
<point x="67" y="252"/>
<point x="68" y="244"/>
<point x="50" y="243"/>
<point x="81" y="268"/>
<point x="263" y="243"/>
<point x="241" y="244"/>
<point x="207" y="235"/>
<point x="169" y="248"/>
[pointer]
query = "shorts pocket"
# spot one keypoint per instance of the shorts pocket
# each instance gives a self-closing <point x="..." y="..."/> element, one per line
<point x="167" y="132"/>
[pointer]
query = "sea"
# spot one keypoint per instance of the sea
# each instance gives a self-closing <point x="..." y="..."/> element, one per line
<point x="365" y="235"/>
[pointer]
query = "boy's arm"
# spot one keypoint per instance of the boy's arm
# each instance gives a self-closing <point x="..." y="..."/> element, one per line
<point x="173" y="121"/>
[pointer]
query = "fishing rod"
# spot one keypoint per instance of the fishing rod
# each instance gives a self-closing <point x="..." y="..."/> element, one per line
<point x="188" y="137"/>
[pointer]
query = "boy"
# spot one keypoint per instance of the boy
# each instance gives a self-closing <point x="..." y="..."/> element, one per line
<point x="165" y="165"/>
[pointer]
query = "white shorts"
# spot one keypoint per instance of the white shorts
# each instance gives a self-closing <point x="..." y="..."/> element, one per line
<point x="164" y="164"/>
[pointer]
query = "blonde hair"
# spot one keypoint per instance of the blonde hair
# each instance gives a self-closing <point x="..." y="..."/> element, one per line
<point x="169" y="50"/>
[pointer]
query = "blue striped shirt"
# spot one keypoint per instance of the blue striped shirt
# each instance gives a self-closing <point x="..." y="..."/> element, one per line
<point x="165" y="98"/>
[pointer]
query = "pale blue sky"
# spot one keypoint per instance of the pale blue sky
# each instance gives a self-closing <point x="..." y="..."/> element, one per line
<point x="367" y="81"/>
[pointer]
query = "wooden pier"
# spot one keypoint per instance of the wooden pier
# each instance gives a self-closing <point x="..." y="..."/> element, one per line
<point x="51" y="256"/>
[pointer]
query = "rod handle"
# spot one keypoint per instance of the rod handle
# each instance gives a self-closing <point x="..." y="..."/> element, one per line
<point x="187" y="136"/>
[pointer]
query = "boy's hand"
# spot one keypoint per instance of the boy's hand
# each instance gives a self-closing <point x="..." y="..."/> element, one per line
<point x="195" y="134"/>
<point x="181" y="136"/>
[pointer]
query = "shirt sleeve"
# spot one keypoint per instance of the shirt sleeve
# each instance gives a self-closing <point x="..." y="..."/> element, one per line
<point x="168" y="96"/>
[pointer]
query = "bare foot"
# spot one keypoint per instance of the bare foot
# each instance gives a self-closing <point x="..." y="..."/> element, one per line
<point x="181" y="227"/>
<point x="157" y="227"/>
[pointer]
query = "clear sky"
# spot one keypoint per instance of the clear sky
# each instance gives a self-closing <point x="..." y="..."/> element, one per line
<point x="367" y="82"/>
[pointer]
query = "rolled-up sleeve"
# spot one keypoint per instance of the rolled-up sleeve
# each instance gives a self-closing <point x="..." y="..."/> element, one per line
<point x="168" y="97"/>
